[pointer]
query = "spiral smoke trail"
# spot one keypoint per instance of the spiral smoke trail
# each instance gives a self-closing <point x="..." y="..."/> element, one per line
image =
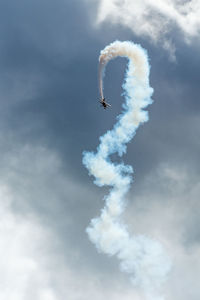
<point x="143" y="258"/>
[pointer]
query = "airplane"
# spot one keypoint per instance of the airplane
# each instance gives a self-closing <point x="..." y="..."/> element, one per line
<point x="104" y="103"/>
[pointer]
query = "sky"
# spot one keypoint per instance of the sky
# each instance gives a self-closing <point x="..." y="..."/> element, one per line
<point x="50" y="114"/>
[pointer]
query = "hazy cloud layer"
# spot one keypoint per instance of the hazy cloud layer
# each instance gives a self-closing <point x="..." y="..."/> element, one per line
<point x="50" y="114"/>
<point x="46" y="249"/>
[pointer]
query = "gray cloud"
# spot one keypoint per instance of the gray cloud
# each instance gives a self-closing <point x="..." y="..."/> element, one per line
<point x="49" y="115"/>
<point x="165" y="208"/>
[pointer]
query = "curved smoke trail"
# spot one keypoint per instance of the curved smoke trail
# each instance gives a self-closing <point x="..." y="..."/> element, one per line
<point x="143" y="258"/>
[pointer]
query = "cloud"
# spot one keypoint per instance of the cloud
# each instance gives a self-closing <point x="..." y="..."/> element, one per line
<point x="39" y="209"/>
<point x="34" y="197"/>
<point x="39" y="206"/>
<point x="153" y="19"/>
<point x="166" y="207"/>
<point x="32" y="269"/>
<point x="23" y="246"/>
<point x="43" y="193"/>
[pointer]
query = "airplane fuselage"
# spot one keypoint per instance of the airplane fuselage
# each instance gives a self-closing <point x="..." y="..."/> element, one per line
<point x="104" y="103"/>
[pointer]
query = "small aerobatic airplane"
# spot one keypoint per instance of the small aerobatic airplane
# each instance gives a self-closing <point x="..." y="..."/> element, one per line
<point x="104" y="103"/>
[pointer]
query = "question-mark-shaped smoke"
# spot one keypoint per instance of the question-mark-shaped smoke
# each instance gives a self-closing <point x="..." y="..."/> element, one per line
<point x="143" y="258"/>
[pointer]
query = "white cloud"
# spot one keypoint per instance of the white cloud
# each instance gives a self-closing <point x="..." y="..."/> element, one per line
<point x="153" y="18"/>
<point x="30" y="269"/>
<point x="35" y="262"/>
<point x="22" y="249"/>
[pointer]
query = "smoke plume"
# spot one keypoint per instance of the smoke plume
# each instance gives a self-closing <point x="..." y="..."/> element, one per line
<point x="143" y="258"/>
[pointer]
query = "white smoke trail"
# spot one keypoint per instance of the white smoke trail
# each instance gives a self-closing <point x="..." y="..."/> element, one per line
<point x="143" y="258"/>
